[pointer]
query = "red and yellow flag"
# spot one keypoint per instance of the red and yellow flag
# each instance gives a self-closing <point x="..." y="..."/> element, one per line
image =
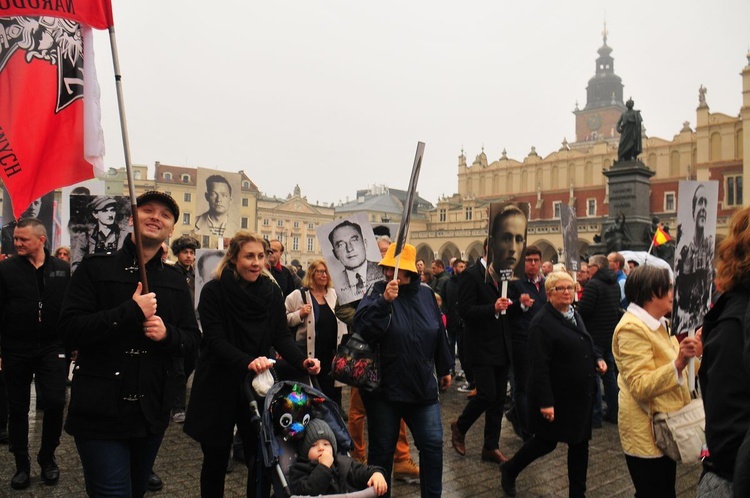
<point x="661" y="237"/>
<point x="50" y="132"/>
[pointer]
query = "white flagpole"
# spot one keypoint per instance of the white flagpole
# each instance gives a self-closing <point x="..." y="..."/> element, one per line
<point x="128" y="164"/>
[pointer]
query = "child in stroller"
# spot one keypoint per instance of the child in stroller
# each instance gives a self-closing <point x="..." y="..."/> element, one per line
<point x="320" y="470"/>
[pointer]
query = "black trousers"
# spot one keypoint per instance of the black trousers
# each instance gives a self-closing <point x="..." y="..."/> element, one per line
<point x="47" y="365"/>
<point x="652" y="477"/>
<point x="491" y="382"/>
<point x="521" y="376"/>
<point x="3" y="403"/>
<point x="536" y="447"/>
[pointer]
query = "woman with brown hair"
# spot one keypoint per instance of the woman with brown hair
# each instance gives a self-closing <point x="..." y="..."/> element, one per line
<point x="725" y="369"/>
<point x="242" y="315"/>
<point x="311" y="310"/>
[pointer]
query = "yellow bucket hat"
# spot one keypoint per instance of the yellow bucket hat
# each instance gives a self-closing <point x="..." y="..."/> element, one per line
<point x="408" y="258"/>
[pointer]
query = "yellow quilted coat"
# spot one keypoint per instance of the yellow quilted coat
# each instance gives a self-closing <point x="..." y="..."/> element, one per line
<point x="647" y="378"/>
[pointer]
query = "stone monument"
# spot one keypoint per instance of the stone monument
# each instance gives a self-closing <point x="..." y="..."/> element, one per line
<point x="629" y="190"/>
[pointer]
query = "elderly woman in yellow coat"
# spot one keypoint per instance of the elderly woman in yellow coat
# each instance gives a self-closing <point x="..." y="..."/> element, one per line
<point x="653" y="377"/>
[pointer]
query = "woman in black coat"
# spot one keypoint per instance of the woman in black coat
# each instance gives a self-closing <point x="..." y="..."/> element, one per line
<point x="563" y="365"/>
<point x="242" y="315"/>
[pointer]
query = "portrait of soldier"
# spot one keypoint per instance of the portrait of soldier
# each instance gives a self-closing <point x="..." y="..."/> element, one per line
<point x="507" y="238"/>
<point x="694" y="271"/>
<point x="217" y="220"/>
<point x="98" y="225"/>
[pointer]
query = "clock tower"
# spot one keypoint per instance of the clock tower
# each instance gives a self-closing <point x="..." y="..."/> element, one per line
<point x="604" y="103"/>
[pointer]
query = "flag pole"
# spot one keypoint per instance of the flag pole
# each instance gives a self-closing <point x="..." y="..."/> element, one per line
<point x="403" y="228"/>
<point x="128" y="164"/>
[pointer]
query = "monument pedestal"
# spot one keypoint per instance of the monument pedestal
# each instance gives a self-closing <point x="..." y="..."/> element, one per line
<point x="629" y="205"/>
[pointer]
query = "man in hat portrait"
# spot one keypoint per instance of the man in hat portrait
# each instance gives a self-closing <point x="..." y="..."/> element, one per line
<point x="103" y="232"/>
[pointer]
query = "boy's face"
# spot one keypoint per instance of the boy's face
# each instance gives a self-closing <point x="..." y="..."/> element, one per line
<point x="319" y="448"/>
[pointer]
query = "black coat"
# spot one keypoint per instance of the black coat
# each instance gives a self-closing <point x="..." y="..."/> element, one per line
<point x="240" y="323"/>
<point x="486" y="337"/>
<point x="562" y="373"/>
<point x="519" y="319"/>
<point x="345" y="476"/>
<point x="600" y="307"/>
<point x="124" y="384"/>
<point x="28" y="319"/>
<point x="725" y="380"/>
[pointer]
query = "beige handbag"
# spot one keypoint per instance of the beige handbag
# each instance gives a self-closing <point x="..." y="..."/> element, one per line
<point x="681" y="434"/>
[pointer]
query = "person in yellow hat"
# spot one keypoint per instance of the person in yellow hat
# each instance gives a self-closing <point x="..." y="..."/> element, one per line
<point x="402" y="317"/>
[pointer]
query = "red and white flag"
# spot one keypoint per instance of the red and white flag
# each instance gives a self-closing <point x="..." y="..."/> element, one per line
<point x="50" y="130"/>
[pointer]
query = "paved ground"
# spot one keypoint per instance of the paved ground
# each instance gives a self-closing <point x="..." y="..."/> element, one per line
<point x="180" y="459"/>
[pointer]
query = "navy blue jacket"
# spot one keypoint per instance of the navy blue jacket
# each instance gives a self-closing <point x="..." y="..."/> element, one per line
<point x="520" y="320"/>
<point x="412" y="339"/>
<point x="600" y="307"/>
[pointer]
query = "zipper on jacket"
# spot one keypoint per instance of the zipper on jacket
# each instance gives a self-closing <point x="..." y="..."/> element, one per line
<point x="40" y="312"/>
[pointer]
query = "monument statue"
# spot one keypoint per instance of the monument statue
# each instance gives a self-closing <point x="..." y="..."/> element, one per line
<point x="617" y="236"/>
<point x="629" y="128"/>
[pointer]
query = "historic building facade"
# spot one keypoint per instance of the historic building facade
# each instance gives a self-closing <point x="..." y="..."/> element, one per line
<point x="714" y="150"/>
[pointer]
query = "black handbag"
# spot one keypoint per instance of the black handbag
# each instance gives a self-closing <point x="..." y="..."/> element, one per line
<point x="357" y="364"/>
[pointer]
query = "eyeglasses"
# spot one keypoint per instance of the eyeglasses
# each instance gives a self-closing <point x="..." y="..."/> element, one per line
<point x="321" y="272"/>
<point x="568" y="288"/>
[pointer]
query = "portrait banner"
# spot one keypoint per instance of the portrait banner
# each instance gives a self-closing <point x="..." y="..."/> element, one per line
<point x="206" y="263"/>
<point x="98" y="224"/>
<point x="569" y="230"/>
<point x="697" y="204"/>
<point x="219" y="200"/>
<point x="351" y="253"/>
<point x="506" y="238"/>
<point x="42" y="209"/>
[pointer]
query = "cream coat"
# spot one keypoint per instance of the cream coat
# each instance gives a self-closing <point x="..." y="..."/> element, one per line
<point x="647" y="380"/>
<point x="306" y="327"/>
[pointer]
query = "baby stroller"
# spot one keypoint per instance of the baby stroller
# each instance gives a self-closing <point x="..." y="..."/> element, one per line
<point x="279" y="455"/>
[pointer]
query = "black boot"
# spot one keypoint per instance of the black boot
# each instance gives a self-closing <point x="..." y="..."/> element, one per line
<point x="22" y="479"/>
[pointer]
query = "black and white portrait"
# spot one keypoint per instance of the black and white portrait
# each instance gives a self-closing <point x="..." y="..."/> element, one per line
<point x="569" y="230"/>
<point x="351" y="252"/>
<point x="220" y="203"/>
<point x="206" y="263"/>
<point x="694" y="256"/>
<point x="98" y="224"/>
<point x="41" y="209"/>
<point x="506" y="238"/>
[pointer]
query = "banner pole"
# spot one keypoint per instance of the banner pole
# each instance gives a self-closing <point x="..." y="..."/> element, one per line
<point x="128" y="164"/>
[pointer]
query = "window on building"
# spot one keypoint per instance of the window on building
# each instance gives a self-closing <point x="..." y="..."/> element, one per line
<point x="266" y="222"/>
<point x="137" y="174"/>
<point x="442" y="215"/>
<point x="187" y="197"/>
<point x="245" y="202"/>
<point x="310" y="244"/>
<point x="280" y="223"/>
<point x="245" y="184"/>
<point x="734" y="190"/>
<point x="243" y="223"/>
<point x="167" y="175"/>
<point x="669" y="204"/>
<point x="590" y="207"/>
<point x="469" y="212"/>
<point x="265" y="236"/>
<point x="185" y="178"/>
<point x="556" y="209"/>
<point x="310" y="226"/>
<point x="295" y="243"/>
<point x="206" y="241"/>
<point x="185" y="218"/>
<point x="296" y="224"/>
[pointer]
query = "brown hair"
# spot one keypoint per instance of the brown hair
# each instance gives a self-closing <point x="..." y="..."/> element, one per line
<point x="733" y="254"/>
<point x="647" y="282"/>
<point x="309" y="278"/>
<point x="240" y="239"/>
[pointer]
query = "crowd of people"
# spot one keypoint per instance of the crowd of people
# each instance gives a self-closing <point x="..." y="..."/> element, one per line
<point x="575" y="351"/>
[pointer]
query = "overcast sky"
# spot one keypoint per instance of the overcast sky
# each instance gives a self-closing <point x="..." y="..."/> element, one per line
<point x="334" y="95"/>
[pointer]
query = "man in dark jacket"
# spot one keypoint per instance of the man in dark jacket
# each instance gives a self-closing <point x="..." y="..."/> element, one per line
<point x="600" y="309"/>
<point x="440" y="278"/>
<point x="280" y="273"/>
<point x="125" y="381"/>
<point x="32" y="285"/>
<point x="488" y="348"/>
<point x="527" y="297"/>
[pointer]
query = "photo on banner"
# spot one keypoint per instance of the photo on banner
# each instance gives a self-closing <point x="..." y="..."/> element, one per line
<point x="569" y="230"/>
<point x="351" y="253"/>
<point x="219" y="200"/>
<point x="506" y="239"/>
<point x="97" y="224"/>
<point x="42" y="209"/>
<point x="697" y="204"/>
<point x="206" y="263"/>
